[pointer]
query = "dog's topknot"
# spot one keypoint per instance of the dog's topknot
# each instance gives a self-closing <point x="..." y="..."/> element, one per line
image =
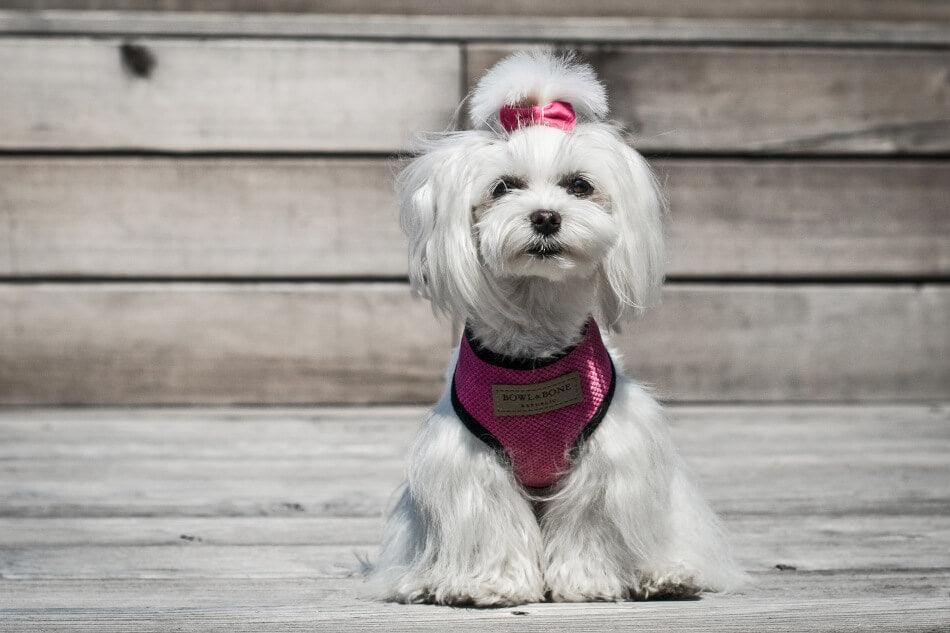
<point x="536" y="78"/>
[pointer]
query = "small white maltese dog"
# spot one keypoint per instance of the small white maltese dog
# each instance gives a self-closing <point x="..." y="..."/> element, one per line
<point x="541" y="473"/>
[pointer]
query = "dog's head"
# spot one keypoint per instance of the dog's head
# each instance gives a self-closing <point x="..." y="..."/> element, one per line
<point x="542" y="188"/>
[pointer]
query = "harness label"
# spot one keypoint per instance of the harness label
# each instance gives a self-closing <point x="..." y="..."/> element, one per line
<point x="550" y="395"/>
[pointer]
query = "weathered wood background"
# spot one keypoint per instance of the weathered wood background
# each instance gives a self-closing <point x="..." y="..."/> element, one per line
<point x="220" y="228"/>
<point x="251" y="519"/>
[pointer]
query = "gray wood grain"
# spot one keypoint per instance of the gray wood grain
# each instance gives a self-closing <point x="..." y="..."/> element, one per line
<point x="810" y="9"/>
<point x="854" y="569"/>
<point x="365" y="342"/>
<point x="807" y="542"/>
<point x="862" y="601"/>
<point x="482" y="27"/>
<point x="218" y="342"/>
<point x="197" y="217"/>
<point x="800" y="343"/>
<point x="344" y="593"/>
<point x="31" y="433"/>
<point x="771" y="100"/>
<point x="309" y="562"/>
<point x="205" y="95"/>
<point x="752" y="461"/>
<point x="336" y="217"/>
<point x="362" y="487"/>
<point x="821" y="218"/>
<point x="243" y="95"/>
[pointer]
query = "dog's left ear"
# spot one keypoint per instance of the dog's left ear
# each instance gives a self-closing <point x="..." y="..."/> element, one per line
<point x="633" y="270"/>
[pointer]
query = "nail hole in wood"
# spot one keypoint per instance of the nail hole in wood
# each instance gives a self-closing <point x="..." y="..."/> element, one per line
<point x="137" y="59"/>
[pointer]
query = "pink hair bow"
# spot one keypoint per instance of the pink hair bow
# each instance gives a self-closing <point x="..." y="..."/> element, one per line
<point x="559" y="114"/>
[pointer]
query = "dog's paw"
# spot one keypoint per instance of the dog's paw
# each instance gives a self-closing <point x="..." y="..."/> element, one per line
<point x="473" y="596"/>
<point x="495" y="593"/>
<point x="671" y="586"/>
<point x="589" y="593"/>
<point x="488" y="596"/>
<point x="584" y="583"/>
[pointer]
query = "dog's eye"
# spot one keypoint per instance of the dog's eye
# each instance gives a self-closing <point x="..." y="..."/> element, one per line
<point x="504" y="186"/>
<point x="580" y="187"/>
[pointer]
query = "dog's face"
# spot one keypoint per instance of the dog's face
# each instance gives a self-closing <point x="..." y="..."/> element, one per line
<point x="544" y="206"/>
<point x="481" y="210"/>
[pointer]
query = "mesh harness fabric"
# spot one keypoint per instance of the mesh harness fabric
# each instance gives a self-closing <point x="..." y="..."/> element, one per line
<point x="536" y="412"/>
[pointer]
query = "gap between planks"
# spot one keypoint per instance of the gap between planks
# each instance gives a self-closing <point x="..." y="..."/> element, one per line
<point x="626" y="30"/>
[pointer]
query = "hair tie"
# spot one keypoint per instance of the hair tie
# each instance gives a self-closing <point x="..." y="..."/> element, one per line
<point x="559" y="114"/>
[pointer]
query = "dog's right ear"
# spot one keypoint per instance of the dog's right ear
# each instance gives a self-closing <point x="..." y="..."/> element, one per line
<point x="435" y="193"/>
<point x="417" y="218"/>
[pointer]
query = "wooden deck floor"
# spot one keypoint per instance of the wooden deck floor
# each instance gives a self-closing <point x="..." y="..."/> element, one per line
<point x="251" y="520"/>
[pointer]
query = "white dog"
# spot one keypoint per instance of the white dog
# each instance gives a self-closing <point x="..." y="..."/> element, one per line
<point x="541" y="473"/>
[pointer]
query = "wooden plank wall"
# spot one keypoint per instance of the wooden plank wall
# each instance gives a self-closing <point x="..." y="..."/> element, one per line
<point x="771" y="9"/>
<point x="220" y="228"/>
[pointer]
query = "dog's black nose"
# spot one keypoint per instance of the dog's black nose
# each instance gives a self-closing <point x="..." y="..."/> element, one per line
<point x="545" y="222"/>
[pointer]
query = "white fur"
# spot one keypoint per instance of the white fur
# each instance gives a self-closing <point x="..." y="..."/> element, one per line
<point x="625" y="522"/>
<point x="537" y="78"/>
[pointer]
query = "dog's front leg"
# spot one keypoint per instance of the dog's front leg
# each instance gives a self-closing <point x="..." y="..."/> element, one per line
<point x="462" y="532"/>
<point x="589" y="552"/>
<point x="627" y="522"/>
<point x="608" y="523"/>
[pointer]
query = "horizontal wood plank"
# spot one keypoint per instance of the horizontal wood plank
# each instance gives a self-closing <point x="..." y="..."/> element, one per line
<point x="360" y="487"/>
<point x="336" y="217"/>
<point x="810" y="9"/>
<point x="357" y="343"/>
<point x="383" y="432"/>
<point x="758" y="465"/>
<point x="211" y="561"/>
<point x="195" y="217"/>
<point x="770" y="100"/>
<point x="486" y="27"/>
<point x="205" y="593"/>
<point x="78" y="93"/>
<point x="806" y="542"/>
<point x="204" y="95"/>
<point x="306" y="562"/>
<point x="815" y="218"/>
<point x="778" y="601"/>
<point x="798" y="343"/>
<point x="218" y="343"/>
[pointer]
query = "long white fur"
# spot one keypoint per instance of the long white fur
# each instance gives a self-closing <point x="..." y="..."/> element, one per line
<point x="625" y="521"/>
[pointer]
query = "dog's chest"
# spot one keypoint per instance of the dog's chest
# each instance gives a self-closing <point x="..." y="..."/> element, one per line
<point x="537" y="413"/>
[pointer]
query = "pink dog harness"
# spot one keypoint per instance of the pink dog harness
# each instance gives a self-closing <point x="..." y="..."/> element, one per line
<point x="536" y="412"/>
